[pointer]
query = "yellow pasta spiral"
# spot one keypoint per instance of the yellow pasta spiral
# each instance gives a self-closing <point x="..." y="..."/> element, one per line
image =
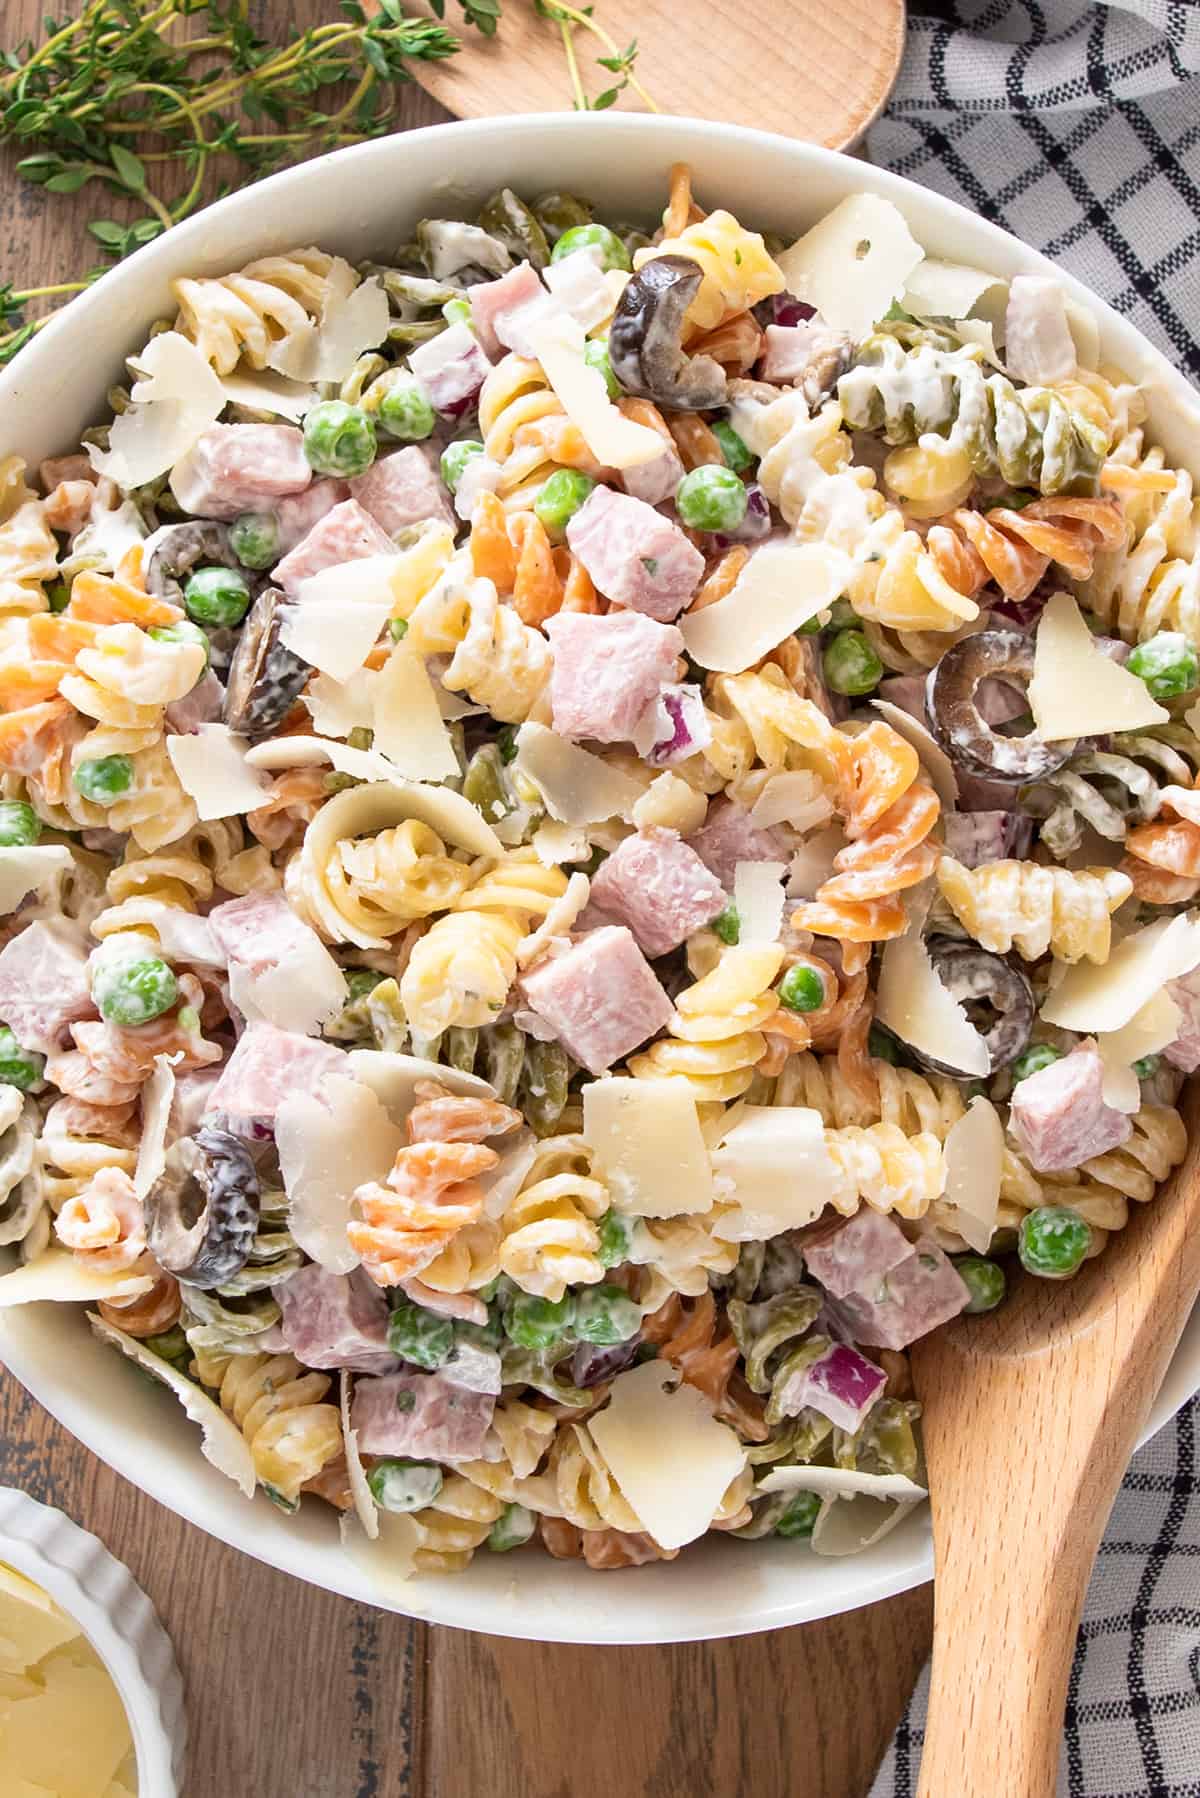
<point x="28" y="559"/>
<point x="885" y="1166"/>
<point x="450" y="1529"/>
<point x="715" y="1037"/>
<point x="550" y="1239"/>
<point x="496" y="659"/>
<point x="275" y="1403"/>
<point x="525" y="430"/>
<point x="263" y="311"/>
<point x="738" y="271"/>
<point x="1150" y="583"/>
<point x="1034" y="908"/>
<point x="382" y="883"/>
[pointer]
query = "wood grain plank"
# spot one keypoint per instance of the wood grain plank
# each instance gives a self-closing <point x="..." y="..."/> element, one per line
<point x="293" y="1693"/>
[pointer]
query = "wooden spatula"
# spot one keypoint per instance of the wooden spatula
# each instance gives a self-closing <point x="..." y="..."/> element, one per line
<point x="1031" y="1414"/>
<point x="820" y="70"/>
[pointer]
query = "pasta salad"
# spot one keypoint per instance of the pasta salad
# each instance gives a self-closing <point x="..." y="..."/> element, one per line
<point x="597" y="832"/>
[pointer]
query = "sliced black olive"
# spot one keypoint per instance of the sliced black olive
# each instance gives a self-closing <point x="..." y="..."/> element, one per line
<point x="178" y="548"/>
<point x="265" y="678"/>
<point x="958" y="723"/>
<point x="644" y="340"/>
<point x="976" y="978"/>
<point x="202" y="1211"/>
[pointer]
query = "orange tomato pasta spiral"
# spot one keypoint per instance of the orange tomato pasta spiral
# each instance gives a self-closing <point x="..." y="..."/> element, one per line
<point x="1014" y="549"/>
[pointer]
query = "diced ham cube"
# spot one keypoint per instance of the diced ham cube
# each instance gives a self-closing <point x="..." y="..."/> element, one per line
<point x="297" y="513"/>
<point x="267" y="1066"/>
<point x="919" y="1293"/>
<point x="634" y="555"/>
<point x="336" y="1320"/>
<point x="655" y="481"/>
<point x="673" y="726"/>
<point x="43" y="985"/>
<point x="423" y="1415"/>
<point x="1038" y="346"/>
<point x="1184" y="1052"/>
<point x="857" y="1254"/>
<point x="578" y="284"/>
<point x="201" y="706"/>
<point x="257" y="931"/>
<point x="607" y="670"/>
<point x="975" y="838"/>
<point x="452" y="367"/>
<point x="402" y="488"/>
<point x="659" y="887"/>
<point x="493" y="302"/>
<point x="344" y="534"/>
<point x="788" y="350"/>
<point x="727" y="837"/>
<point x="1058" y="1116"/>
<point x="842" y="1385"/>
<point x="601" y="997"/>
<point x="908" y="692"/>
<point x="240" y="468"/>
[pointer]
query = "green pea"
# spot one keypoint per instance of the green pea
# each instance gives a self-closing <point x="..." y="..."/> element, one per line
<point x="801" y="989"/>
<point x="737" y="455"/>
<point x="419" y="1337"/>
<point x="103" y="781"/>
<point x="595" y="354"/>
<point x="217" y="597"/>
<point x="58" y="596"/>
<point x="535" y="1323"/>
<point x="19" y="824"/>
<point x="711" y="499"/>
<point x="512" y="1529"/>
<point x="457" y="312"/>
<point x="561" y="498"/>
<point x="984" y="1281"/>
<point x="455" y="458"/>
<point x="1053" y="1241"/>
<point x="616" y="1238"/>
<point x="1167" y="663"/>
<point x="1034" y="1059"/>
<point x="851" y="665"/>
<point x="882" y="1045"/>
<point x="136" y="991"/>
<point x="1147" y="1066"/>
<point x="605" y="1315"/>
<point x="405" y="411"/>
<point x="339" y="439"/>
<point x="401" y="1485"/>
<point x="254" y="539"/>
<point x="798" y="1519"/>
<point x="184" y="632"/>
<point x="613" y="253"/>
<point x="728" y="924"/>
<point x="18" y="1067"/>
<point x="397" y="629"/>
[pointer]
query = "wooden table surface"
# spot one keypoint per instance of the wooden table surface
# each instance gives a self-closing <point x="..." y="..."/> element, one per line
<point x="293" y="1693"/>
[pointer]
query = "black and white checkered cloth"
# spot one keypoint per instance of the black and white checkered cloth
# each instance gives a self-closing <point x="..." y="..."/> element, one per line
<point x="1077" y="128"/>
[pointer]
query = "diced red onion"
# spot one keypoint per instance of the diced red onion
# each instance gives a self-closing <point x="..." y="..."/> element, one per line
<point x="591" y="1366"/>
<point x="791" y="311"/>
<point x="842" y="1385"/>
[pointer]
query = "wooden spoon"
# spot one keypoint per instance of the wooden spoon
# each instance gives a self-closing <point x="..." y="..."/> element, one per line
<point x="820" y="70"/>
<point x="1030" y="1416"/>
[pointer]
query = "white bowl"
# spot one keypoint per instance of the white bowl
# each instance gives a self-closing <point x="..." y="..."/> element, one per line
<point x="363" y="201"/>
<point x="121" y="1624"/>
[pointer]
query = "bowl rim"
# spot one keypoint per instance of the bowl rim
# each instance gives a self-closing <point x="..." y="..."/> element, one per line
<point x="627" y="1623"/>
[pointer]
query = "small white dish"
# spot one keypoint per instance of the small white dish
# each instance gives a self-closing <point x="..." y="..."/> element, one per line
<point x="118" y="1620"/>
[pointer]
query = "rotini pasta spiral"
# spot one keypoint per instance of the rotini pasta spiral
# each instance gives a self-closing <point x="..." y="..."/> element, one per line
<point x="103" y="1224"/>
<point x="1150" y="580"/>
<point x="738" y="272"/>
<point x="525" y="430"/>
<point x="449" y="1530"/>
<point x="276" y="1404"/>
<point x="1101" y="1189"/>
<point x="28" y="560"/>
<point x="498" y="661"/>
<point x="1014" y="549"/>
<point x="22" y="1194"/>
<point x="513" y="551"/>
<point x="1021" y="904"/>
<point x="381" y="883"/>
<point x="78" y="1139"/>
<point x="715" y="1038"/>
<point x="695" y="1338"/>
<point x="550" y="1239"/>
<point x="1111" y="790"/>
<point x="265" y="313"/>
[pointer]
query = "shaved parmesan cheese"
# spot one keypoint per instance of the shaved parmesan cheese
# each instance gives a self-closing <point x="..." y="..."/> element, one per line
<point x="670" y="1458"/>
<point x="758" y="896"/>
<point x="393" y="1079"/>
<point x="554" y="844"/>
<point x="1076" y="691"/>
<point x="974" y="1150"/>
<point x="356" y="322"/>
<point x="577" y="283"/>
<point x="365" y="1508"/>
<point x="946" y="289"/>
<point x="444" y="810"/>
<point x="936" y="762"/>
<point x="1085" y="334"/>
<point x="557" y="922"/>
<point x="1105" y="998"/>
<point x="261" y="390"/>
<point x="853" y="263"/>
<point x="781" y="587"/>
<point x="577" y="786"/>
<point x="645" y="1136"/>
<point x="339" y="613"/>
<point x="388" y="1559"/>
<point x="420" y="565"/>
<point x="813" y="863"/>
<point x="177" y="397"/>
<point x="672" y="804"/>
<point x="301" y="993"/>
<point x="27" y="869"/>
<point x="327" y="1147"/>
<point x="212" y="770"/>
<point x="841" y="1482"/>
<point x="613" y="439"/>
<point x="1148" y="1031"/>
<point x="338" y="707"/>
<point x="57" y="1275"/>
<point x="912" y="1002"/>
<point x="157" y="1095"/>
<point x="981" y="331"/>
<point x="408" y="723"/>
<point x="222" y="1443"/>
<point x="771" y="1172"/>
<point x="794" y="797"/>
<point x="502" y="1183"/>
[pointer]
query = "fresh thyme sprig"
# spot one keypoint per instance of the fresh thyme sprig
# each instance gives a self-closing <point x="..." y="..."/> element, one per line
<point x="617" y="62"/>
